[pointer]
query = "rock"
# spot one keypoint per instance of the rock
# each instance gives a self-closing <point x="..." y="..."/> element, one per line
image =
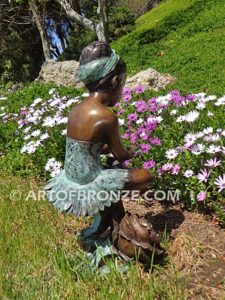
<point x="62" y="73"/>
<point x="150" y="79"/>
<point x="65" y="73"/>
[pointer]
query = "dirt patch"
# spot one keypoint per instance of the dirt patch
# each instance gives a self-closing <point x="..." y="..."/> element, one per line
<point x="196" y="247"/>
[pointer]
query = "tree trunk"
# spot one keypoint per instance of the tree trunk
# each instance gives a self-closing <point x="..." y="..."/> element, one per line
<point x="102" y="29"/>
<point x="41" y="28"/>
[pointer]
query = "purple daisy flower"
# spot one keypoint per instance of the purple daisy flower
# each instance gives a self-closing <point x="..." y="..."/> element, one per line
<point x="190" y="97"/>
<point x="155" y="141"/>
<point x="127" y="97"/>
<point x="141" y="106"/>
<point x="127" y="91"/>
<point x="152" y="101"/>
<point x="132" y="117"/>
<point x="149" y="164"/>
<point x="201" y="196"/>
<point x="175" y="169"/>
<point x="139" y="89"/>
<point x="145" y="147"/>
<point x="133" y="138"/>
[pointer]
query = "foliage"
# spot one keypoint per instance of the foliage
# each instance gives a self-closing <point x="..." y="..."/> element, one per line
<point x="21" y="50"/>
<point x="121" y="21"/>
<point x="183" y="38"/>
<point x="11" y="141"/>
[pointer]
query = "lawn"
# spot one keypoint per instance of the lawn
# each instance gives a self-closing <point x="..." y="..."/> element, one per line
<point x="40" y="258"/>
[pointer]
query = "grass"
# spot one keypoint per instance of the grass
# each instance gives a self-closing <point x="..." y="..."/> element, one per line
<point x="40" y="258"/>
<point x="183" y="38"/>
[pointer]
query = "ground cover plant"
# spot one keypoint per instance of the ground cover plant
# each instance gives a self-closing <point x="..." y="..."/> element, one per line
<point x="179" y="138"/>
<point x="183" y="38"/>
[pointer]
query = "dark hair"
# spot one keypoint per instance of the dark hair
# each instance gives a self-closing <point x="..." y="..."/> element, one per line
<point x="95" y="51"/>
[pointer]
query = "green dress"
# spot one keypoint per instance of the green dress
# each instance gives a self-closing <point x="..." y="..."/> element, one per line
<point x="84" y="187"/>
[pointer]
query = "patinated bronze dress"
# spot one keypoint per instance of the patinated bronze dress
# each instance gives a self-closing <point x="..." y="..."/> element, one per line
<point x="77" y="189"/>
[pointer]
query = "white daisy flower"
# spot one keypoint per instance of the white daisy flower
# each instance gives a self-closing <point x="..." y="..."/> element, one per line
<point x="173" y="112"/>
<point x="36" y="133"/>
<point x="197" y="149"/>
<point x="140" y="121"/>
<point x="171" y="154"/>
<point x="64" y="132"/>
<point x="208" y="130"/>
<point x="192" y="116"/>
<point x="51" y="91"/>
<point x="44" y="136"/>
<point x="212" y="149"/>
<point x="121" y="121"/>
<point x="190" y="138"/>
<point x="188" y="173"/>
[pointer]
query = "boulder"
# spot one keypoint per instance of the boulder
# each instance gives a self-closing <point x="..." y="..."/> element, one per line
<point x="150" y="79"/>
<point x="64" y="73"/>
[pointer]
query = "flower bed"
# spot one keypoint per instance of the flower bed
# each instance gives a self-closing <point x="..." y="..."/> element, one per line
<point x="180" y="139"/>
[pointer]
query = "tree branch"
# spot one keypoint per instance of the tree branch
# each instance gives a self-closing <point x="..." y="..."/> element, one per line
<point x="73" y="15"/>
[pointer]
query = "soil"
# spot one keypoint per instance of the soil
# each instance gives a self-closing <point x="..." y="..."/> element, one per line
<point x="196" y="246"/>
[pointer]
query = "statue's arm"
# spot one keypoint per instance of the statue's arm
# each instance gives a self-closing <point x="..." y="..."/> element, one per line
<point x="113" y="139"/>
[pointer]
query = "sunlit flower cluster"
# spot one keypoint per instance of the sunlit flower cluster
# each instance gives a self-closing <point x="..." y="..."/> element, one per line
<point x="180" y="138"/>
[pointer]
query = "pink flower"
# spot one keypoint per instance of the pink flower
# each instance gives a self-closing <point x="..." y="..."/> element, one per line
<point x="176" y="169"/>
<point x="128" y="162"/>
<point x="151" y="125"/>
<point x="145" y="147"/>
<point x="160" y="172"/>
<point x="213" y="163"/>
<point x="201" y="196"/>
<point x="177" y="99"/>
<point x="141" y="106"/>
<point x="132" y="117"/>
<point x="190" y="97"/>
<point x="139" y="89"/>
<point x="133" y="138"/>
<point x="152" y="108"/>
<point x="155" y="141"/>
<point x="126" y="135"/>
<point x="127" y="91"/>
<point x="127" y="97"/>
<point x="167" y="167"/>
<point x="120" y="112"/>
<point x="152" y="101"/>
<point x="220" y="182"/>
<point x="149" y="164"/>
<point x="144" y="136"/>
<point x="203" y="175"/>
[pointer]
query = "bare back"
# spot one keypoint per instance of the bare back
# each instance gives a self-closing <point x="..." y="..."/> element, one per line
<point x="90" y="121"/>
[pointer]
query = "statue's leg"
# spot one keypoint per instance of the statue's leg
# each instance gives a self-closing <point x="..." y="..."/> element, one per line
<point x="87" y="232"/>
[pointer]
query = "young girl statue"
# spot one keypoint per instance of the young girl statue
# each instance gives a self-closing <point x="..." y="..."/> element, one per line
<point x="93" y="129"/>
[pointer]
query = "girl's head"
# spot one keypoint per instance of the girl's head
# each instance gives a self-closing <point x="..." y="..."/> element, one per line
<point x="102" y="70"/>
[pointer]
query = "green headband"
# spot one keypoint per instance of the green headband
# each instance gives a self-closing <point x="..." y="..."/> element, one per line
<point x="98" y="69"/>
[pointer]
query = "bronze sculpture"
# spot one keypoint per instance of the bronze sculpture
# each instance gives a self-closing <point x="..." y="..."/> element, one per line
<point x="93" y="129"/>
